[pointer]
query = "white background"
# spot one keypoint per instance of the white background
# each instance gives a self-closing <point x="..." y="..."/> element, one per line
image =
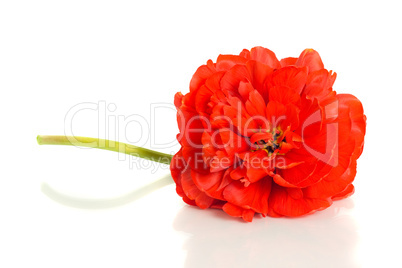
<point x="71" y="207"/>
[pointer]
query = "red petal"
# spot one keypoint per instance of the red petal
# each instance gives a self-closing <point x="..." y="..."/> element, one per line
<point x="217" y="117"/>
<point x="273" y="213"/>
<point x="239" y="172"/>
<point x="245" y="54"/>
<point x="192" y="192"/>
<point x="311" y="59"/>
<point x="295" y="193"/>
<point x="212" y="183"/>
<point x="189" y="201"/>
<point x="221" y="161"/>
<point x="192" y="128"/>
<point x="259" y="72"/>
<point x="282" y="162"/>
<point x="232" y="142"/>
<point x="177" y="166"/>
<point x="265" y="136"/>
<point x="218" y="204"/>
<point x="358" y="119"/>
<point x="300" y="175"/>
<point x="282" y="116"/>
<point x="248" y="215"/>
<point x="284" y="204"/>
<point x="288" y="61"/>
<point x="208" y="149"/>
<point x="214" y="81"/>
<point x="265" y="56"/>
<point x="231" y="80"/>
<point x="284" y="95"/>
<point x="225" y="62"/>
<point x="254" y="197"/>
<point x="333" y="184"/>
<point x="319" y="84"/>
<point x="202" y="99"/>
<point x="278" y="179"/>
<point x="319" y="154"/>
<point x="255" y="105"/>
<point x="291" y="76"/>
<point x="202" y="73"/>
<point x="349" y="190"/>
<point x="239" y="117"/>
<point x="254" y="173"/>
<point x="236" y="211"/>
<point x="244" y="90"/>
<point x="194" y="159"/>
<point x="310" y="117"/>
<point x="275" y="112"/>
<point x="178" y="97"/>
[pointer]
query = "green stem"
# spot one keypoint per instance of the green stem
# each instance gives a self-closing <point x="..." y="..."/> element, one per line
<point x="109" y="145"/>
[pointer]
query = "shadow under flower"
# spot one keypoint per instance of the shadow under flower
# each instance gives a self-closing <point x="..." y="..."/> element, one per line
<point x="325" y="239"/>
<point x="88" y="203"/>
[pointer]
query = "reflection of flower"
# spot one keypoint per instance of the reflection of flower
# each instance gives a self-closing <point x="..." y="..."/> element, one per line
<point x="260" y="135"/>
<point x="327" y="239"/>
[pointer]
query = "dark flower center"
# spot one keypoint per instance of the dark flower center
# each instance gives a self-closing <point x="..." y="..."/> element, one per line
<point x="270" y="143"/>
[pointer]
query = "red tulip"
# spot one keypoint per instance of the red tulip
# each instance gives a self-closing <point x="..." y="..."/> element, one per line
<point x="259" y="135"/>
